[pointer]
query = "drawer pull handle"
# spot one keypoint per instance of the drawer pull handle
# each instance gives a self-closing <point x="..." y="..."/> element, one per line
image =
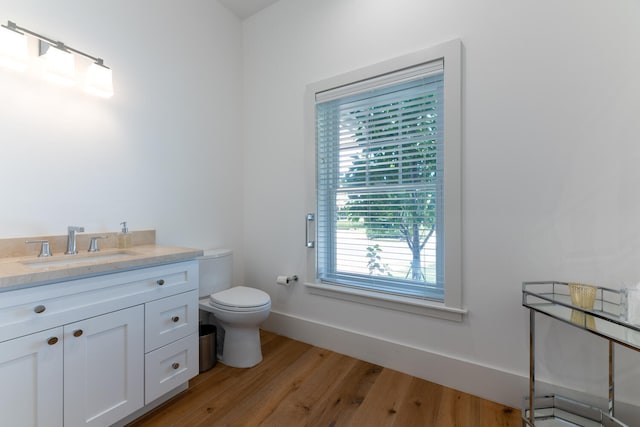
<point x="175" y="365"/>
<point x="175" y="319"/>
<point x="52" y="340"/>
<point x="40" y="309"/>
<point x="77" y="333"/>
<point x="160" y="282"/>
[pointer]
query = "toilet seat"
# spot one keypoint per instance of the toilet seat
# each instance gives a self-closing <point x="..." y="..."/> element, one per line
<point x="240" y="298"/>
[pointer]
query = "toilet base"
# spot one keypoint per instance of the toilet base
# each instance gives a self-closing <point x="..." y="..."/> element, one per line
<point x="241" y="348"/>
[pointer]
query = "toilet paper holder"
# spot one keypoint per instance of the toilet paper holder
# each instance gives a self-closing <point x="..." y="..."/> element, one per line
<point x="286" y="280"/>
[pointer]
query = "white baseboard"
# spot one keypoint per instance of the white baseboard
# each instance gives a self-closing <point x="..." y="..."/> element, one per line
<point x="486" y="382"/>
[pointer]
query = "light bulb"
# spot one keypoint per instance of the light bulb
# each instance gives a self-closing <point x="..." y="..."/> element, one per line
<point x="99" y="81"/>
<point x="13" y="49"/>
<point x="59" y="64"/>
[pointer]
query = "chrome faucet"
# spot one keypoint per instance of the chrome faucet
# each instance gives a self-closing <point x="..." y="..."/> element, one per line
<point x="71" y="239"/>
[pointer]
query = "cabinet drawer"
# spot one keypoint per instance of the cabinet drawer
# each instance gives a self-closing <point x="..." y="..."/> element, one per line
<point x="170" y="366"/>
<point x="68" y="301"/>
<point x="170" y="319"/>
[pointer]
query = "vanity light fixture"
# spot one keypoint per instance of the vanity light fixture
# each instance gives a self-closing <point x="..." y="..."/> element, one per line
<point x="13" y="48"/>
<point x="59" y="60"/>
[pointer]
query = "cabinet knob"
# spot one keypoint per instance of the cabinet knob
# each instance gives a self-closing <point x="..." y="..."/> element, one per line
<point x="52" y="340"/>
<point x="175" y="319"/>
<point x="77" y="333"/>
<point x="40" y="309"/>
<point x="175" y="365"/>
<point x="160" y="282"/>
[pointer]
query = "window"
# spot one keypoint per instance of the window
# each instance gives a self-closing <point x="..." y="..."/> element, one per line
<point x="387" y="159"/>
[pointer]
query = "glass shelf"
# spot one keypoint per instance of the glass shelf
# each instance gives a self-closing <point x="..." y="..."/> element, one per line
<point x="607" y="319"/>
<point x="554" y="410"/>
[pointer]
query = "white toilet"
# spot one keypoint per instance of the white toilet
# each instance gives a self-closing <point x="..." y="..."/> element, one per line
<point x="237" y="310"/>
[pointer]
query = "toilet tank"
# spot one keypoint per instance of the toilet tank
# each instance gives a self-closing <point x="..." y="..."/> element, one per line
<point x="215" y="271"/>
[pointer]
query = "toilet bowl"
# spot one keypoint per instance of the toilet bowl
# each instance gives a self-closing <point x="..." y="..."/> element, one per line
<point x="238" y="310"/>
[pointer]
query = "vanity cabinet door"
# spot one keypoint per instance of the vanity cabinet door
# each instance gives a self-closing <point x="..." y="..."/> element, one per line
<point x="104" y="368"/>
<point x="31" y="380"/>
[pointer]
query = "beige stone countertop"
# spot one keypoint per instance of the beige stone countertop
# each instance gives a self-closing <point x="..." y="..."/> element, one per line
<point x="24" y="271"/>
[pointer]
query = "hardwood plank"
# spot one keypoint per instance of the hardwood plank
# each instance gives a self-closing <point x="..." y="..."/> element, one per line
<point x="341" y="405"/>
<point x="244" y="383"/>
<point x="297" y="384"/>
<point x="495" y="415"/>
<point x="461" y="409"/>
<point x="381" y="405"/>
<point x="422" y="404"/>
<point x="305" y="401"/>
<point x="267" y="396"/>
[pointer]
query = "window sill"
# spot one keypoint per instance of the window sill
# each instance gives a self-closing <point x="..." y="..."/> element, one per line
<point x="391" y="302"/>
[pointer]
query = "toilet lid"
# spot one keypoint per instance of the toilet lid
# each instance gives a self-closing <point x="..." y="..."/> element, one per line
<point x="240" y="297"/>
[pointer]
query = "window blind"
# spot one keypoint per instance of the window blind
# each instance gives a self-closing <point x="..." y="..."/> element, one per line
<point x="380" y="183"/>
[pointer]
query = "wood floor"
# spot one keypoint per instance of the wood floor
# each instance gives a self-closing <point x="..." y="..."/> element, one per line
<point x="300" y="385"/>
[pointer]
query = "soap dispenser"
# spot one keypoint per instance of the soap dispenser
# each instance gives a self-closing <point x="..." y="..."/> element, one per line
<point x="124" y="237"/>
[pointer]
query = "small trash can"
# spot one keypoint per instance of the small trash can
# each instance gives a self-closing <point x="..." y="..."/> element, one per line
<point x="208" y="357"/>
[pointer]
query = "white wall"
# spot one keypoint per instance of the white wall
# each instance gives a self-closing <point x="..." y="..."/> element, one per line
<point x="164" y="152"/>
<point x="550" y="175"/>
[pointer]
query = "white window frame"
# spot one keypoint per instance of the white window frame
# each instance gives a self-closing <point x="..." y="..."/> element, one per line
<point x="451" y="308"/>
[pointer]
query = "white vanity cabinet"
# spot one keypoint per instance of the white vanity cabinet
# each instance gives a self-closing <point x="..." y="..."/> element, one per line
<point x="74" y="353"/>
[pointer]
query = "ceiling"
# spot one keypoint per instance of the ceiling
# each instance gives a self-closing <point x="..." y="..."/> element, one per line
<point x="245" y="8"/>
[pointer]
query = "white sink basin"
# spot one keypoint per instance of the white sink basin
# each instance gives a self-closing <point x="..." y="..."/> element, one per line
<point x="60" y="260"/>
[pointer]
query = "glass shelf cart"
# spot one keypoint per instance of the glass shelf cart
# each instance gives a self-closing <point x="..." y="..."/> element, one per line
<point x="607" y="319"/>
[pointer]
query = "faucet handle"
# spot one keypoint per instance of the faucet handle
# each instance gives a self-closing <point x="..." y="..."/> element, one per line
<point x="93" y="246"/>
<point x="44" y="250"/>
<point x="75" y="228"/>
